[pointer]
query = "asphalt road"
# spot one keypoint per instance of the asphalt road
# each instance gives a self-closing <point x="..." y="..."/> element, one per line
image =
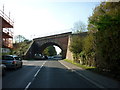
<point x="44" y="74"/>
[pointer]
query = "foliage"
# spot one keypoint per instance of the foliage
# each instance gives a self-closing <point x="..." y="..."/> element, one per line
<point x="50" y="51"/>
<point x="76" y="44"/>
<point x="79" y="65"/>
<point x="83" y="49"/>
<point x="79" y="27"/>
<point x="20" y="38"/>
<point x="21" y="48"/>
<point x="89" y="44"/>
<point x="76" y="47"/>
<point x="105" y="23"/>
<point x="101" y="47"/>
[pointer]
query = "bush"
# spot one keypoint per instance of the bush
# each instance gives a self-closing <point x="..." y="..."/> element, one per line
<point x="105" y="23"/>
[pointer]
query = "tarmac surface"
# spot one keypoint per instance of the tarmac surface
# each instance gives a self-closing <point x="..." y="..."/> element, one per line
<point x="54" y="74"/>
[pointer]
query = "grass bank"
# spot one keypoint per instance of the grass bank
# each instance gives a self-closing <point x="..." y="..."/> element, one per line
<point x="79" y="65"/>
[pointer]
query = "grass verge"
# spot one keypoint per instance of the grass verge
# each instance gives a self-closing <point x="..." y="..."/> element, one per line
<point x="95" y="70"/>
<point x="79" y="65"/>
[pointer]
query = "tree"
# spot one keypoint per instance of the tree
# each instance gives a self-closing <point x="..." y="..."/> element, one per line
<point x="79" y="27"/>
<point x="50" y="51"/>
<point x="19" y="38"/>
<point x="20" y="48"/>
<point x="105" y="22"/>
<point x="89" y="49"/>
<point x="76" y="46"/>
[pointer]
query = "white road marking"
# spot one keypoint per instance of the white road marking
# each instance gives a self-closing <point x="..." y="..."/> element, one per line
<point x="39" y="69"/>
<point x="34" y="76"/>
<point x="27" y="86"/>
<point x="100" y="86"/>
<point x="36" y="73"/>
<point x="65" y="65"/>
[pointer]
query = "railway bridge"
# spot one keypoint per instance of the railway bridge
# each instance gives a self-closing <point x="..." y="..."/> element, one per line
<point x="61" y="40"/>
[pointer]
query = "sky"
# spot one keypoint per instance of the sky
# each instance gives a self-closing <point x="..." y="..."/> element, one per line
<point x="38" y="18"/>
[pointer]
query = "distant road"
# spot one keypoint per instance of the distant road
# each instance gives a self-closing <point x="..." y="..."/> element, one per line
<point x="44" y="74"/>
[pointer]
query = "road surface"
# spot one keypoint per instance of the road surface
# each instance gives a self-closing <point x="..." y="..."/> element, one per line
<point x="44" y="74"/>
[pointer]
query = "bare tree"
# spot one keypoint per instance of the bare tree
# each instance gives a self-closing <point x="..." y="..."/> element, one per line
<point x="19" y="38"/>
<point x="79" y="26"/>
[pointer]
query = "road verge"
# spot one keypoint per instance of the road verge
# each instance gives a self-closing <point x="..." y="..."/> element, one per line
<point x="96" y="79"/>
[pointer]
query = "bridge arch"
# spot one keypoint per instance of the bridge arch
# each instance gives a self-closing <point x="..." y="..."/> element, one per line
<point x="39" y="44"/>
<point x="45" y="45"/>
<point x="42" y="47"/>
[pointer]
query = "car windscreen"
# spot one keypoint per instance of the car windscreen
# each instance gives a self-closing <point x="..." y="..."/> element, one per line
<point x="7" y="58"/>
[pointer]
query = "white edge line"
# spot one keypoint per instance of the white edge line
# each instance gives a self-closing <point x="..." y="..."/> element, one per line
<point x="27" y="86"/>
<point x="65" y="65"/>
<point x="84" y="77"/>
<point x="90" y="80"/>
<point x="34" y="76"/>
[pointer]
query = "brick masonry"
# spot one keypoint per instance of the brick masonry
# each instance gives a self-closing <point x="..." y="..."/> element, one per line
<point x="61" y="40"/>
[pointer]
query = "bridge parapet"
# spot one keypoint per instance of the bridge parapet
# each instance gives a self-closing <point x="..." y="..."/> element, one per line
<point x="54" y="36"/>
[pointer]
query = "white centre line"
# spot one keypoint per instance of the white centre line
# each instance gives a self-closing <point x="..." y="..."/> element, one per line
<point x="34" y="76"/>
<point x="39" y="69"/>
<point x="37" y="72"/>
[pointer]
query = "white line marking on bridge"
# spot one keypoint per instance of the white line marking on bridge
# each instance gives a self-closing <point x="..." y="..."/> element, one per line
<point x="100" y="86"/>
<point x="34" y="76"/>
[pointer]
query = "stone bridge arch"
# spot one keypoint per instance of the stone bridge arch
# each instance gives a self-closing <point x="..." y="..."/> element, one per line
<point x="39" y="44"/>
<point x="45" y="44"/>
